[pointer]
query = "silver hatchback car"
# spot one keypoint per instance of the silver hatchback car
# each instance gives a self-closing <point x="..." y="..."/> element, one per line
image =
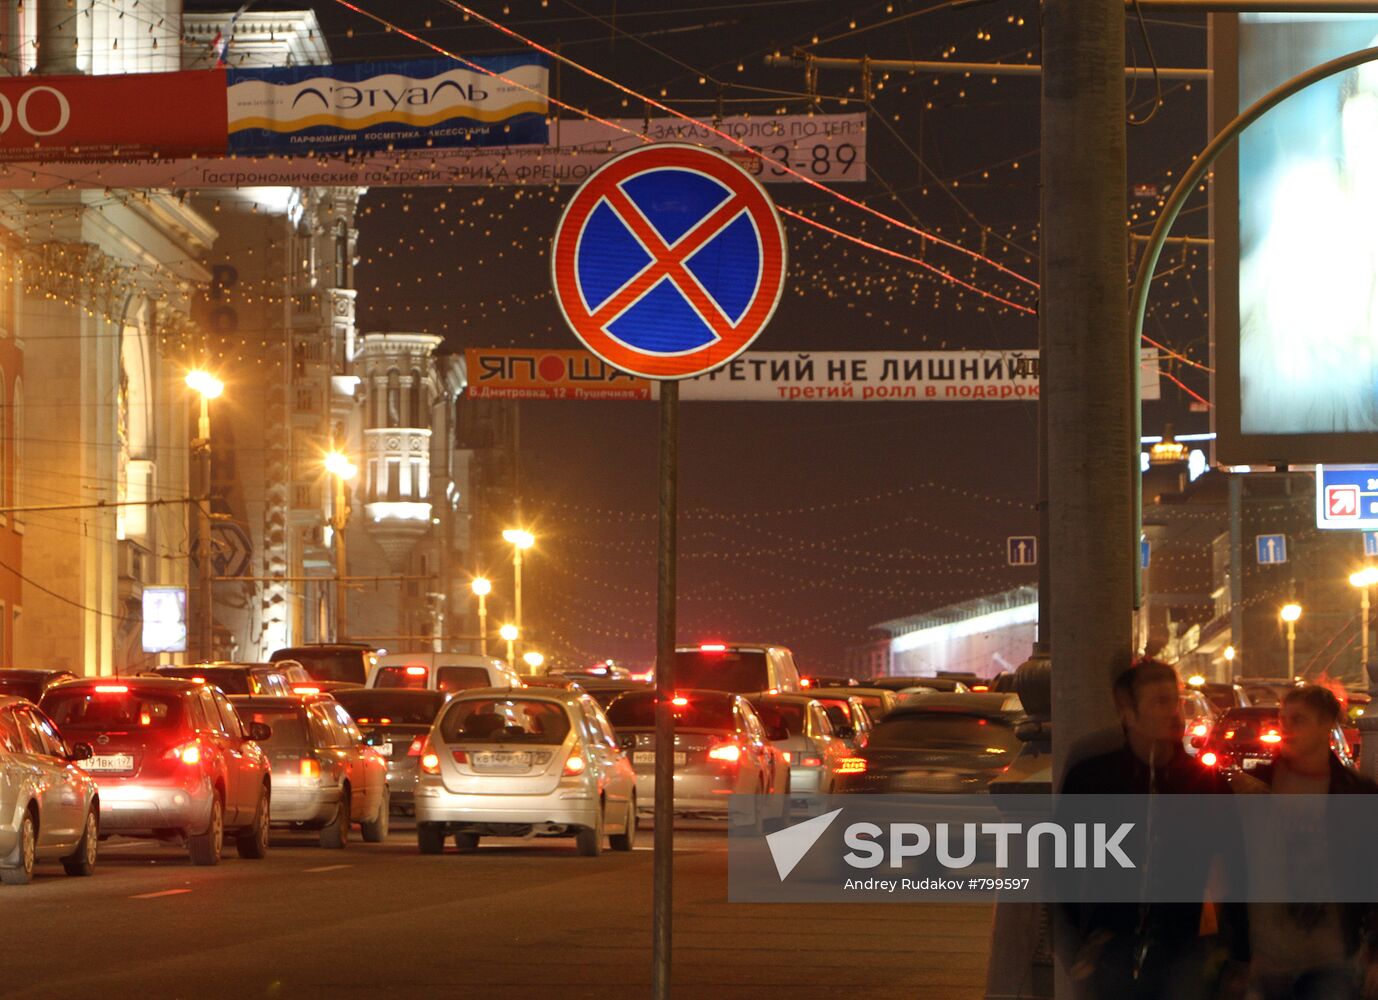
<point x="48" y="806"/>
<point x="518" y="762"/>
<point x="802" y="730"/>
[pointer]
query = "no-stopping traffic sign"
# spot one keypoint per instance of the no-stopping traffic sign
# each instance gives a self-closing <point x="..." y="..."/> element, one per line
<point x="668" y="261"/>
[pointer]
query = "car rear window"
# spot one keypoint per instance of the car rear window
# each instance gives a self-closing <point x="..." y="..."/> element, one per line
<point x="505" y="720"/>
<point x="112" y="710"/>
<point x="373" y="707"/>
<point x="787" y="714"/>
<point x="16" y="688"/>
<point x="413" y="677"/>
<point x="288" y="725"/>
<point x="461" y="678"/>
<point x="741" y="671"/>
<point x="328" y="665"/>
<point x="638" y="711"/>
<point x="839" y="710"/>
<point x="944" y="731"/>
<point x="229" y="681"/>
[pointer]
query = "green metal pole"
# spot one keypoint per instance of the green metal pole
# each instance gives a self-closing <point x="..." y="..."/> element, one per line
<point x="1138" y="296"/>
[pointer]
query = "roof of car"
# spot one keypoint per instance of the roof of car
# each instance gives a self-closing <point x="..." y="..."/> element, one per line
<point x="849" y="692"/>
<point x="691" y="693"/>
<point x="565" y="695"/>
<point x="694" y="647"/>
<point x="788" y="697"/>
<point x="141" y="681"/>
<point x="33" y="671"/>
<point x="6" y="699"/>
<point x="359" y="689"/>
<point x="350" y="647"/>
<point x="963" y="704"/>
<point x="278" y="700"/>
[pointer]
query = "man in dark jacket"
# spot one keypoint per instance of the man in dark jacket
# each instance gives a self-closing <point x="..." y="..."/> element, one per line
<point x="1128" y="951"/>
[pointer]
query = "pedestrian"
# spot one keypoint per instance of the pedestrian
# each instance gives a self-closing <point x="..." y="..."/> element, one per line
<point x="1308" y="951"/>
<point x="1146" y="951"/>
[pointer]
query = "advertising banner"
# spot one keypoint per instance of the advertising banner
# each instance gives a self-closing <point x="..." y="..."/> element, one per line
<point x="830" y="148"/>
<point x="309" y="110"/>
<point x="112" y="117"/>
<point x="1295" y="316"/>
<point x="778" y="376"/>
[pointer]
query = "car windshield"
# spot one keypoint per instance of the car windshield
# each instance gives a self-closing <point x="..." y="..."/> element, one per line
<point x="786" y="714"/>
<point x="1264" y="695"/>
<point x="505" y="720"/>
<point x="230" y="680"/>
<point x="944" y="731"/>
<point x="461" y="678"/>
<point x="729" y="670"/>
<point x="328" y="664"/>
<point x="381" y="708"/>
<point x="638" y="711"/>
<point x="287" y="723"/>
<point x="118" y="708"/>
<point x="1221" y="696"/>
<point x="412" y="677"/>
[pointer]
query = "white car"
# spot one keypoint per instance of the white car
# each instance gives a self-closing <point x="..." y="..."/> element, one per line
<point x="448" y="672"/>
<point x="524" y="762"/>
<point x="48" y="805"/>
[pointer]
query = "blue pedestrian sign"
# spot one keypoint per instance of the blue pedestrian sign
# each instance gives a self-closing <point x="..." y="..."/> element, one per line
<point x="1022" y="550"/>
<point x="1144" y="552"/>
<point x="1347" y="497"/>
<point x="1371" y="543"/>
<point x="1272" y="550"/>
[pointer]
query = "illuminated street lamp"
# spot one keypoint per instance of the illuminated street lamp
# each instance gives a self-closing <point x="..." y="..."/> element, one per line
<point x="533" y="660"/>
<point x="482" y="587"/>
<point x="1364" y="579"/>
<point x="208" y="387"/>
<point x="509" y="635"/>
<point x="1289" y="613"/>
<point x="520" y="541"/>
<point x="339" y="466"/>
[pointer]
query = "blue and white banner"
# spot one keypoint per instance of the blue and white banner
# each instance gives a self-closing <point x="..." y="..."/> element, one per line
<point x="366" y="107"/>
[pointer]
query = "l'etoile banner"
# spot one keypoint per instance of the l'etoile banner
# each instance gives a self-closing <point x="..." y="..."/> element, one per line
<point x="298" y="111"/>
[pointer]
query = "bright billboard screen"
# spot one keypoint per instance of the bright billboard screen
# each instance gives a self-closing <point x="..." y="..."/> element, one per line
<point x="1294" y="210"/>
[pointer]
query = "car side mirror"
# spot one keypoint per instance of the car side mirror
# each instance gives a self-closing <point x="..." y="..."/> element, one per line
<point x="777" y="733"/>
<point x="79" y="752"/>
<point x="260" y="731"/>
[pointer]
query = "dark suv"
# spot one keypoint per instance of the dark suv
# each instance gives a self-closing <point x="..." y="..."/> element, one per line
<point x="233" y="678"/>
<point x="172" y="759"/>
<point x="340" y="662"/>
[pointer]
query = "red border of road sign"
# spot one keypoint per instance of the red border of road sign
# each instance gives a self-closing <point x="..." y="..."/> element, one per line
<point x="591" y="328"/>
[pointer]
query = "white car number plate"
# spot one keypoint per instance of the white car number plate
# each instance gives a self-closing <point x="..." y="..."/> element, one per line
<point x="649" y="757"/>
<point x="502" y="758"/>
<point x="384" y="749"/>
<point x="1252" y="762"/>
<point x="108" y="762"/>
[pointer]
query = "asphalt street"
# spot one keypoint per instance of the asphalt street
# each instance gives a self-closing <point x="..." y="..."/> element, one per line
<point x="518" y="919"/>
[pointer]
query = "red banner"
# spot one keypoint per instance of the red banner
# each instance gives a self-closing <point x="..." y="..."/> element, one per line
<point x="113" y="117"/>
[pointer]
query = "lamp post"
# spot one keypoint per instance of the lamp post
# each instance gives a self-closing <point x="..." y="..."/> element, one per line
<point x="482" y="587"/>
<point x="509" y="634"/>
<point x="1364" y="579"/>
<point x="533" y="661"/>
<point x="1289" y="613"/>
<point x="208" y="387"/>
<point x="342" y="469"/>
<point x="520" y="541"/>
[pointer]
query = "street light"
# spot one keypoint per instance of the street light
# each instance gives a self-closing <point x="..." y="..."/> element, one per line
<point x="520" y="540"/>
<point x="1364" y="579"/>
<point x="533" y="660"/>
<point x="339" y="466"/>
<point x="482" y="587"/>
<point x="509" y="634"/>
<point x="1289" y="613"/>
<point x="208" y="387"/>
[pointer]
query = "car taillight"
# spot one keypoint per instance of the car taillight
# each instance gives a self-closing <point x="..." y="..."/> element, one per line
<point x="811" y="761"/>
<point x="850" y="765"/>
<point x="1209" y="759"/>
<point x="416" y="671"/>
<point x="1271" y="736"/>
<point x="416" y="746"/>
<point x="310" y="768"/>
<point x="460" y="757"/>
<point x="728" y="753"/>
<point x="1229" y="734"/>
<point x="187" y="753"/>
<point x="430" y="760"/>
<point x="1200" y="729"/>
<point x="712" y="647"/>
<point x="574" y="765"/>
<point x="805" y="682"/>
<point x="111" y="689"/>
<point x="980" y="687"/>
<point x="306" y="690"/>
<point x="789" y="757"/>
<point x="679" y="702"/>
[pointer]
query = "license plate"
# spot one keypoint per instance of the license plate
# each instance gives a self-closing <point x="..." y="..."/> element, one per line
<point x="384" y="749"/>
<point x="1252" y="762"/>
<point x="502" y="758"/>
<point x="109" y="762"/>
<point x="649" y="757"/>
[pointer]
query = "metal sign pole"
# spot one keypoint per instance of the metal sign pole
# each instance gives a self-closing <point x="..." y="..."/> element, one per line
<point x="665" y="691"/>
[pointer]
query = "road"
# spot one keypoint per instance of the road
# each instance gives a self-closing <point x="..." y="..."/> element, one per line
<point x="518" y="919"/>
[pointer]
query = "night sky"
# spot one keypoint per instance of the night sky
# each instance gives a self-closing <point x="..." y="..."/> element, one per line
<point x="803" y="523"/>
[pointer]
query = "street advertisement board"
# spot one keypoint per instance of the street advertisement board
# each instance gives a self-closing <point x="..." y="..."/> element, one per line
<point x="165" y="620"/>
<point x="1295" y="308"/>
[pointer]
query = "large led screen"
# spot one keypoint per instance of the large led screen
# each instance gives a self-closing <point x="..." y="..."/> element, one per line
<point x="1295" y="220"/>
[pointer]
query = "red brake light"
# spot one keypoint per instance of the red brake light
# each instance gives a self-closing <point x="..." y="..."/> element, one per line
<point x="430" y="763"/>
<point x="416" y="671"/>
<point x="1271" y="736"/>
<point x="789" y="758"/>
<point x="111" y="689"/>
<point x="1209" y="759"/>
<point x="850" y="765"/>
<point x="712" y="647"/>
<point x="306" y="690"/>
<point x="460" y="756"/>
<point x="198" y="680"/>
<point x="812" y="762"/>
<point x="804" y="682"/>
<point x="1229" y="734"/>
<point x="1200" y="729"/>
<point x="679" y="702"/>
<point x="187" y="753"/>
<point x="980" y="722"/>
<point x="728" y="753"/>
<point x="575" y="764"/>
<point x="415" y="749"/>
<point x="310" y="768"/>
<point x="980" y="687"/>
